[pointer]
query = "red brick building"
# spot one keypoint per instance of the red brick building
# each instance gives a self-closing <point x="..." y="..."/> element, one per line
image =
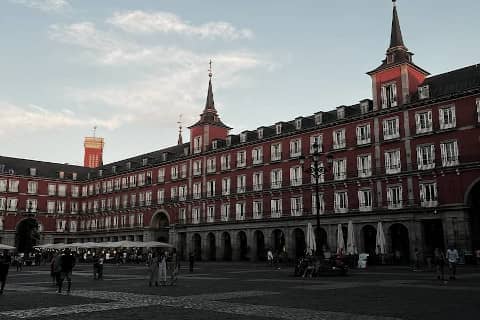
<point x="409" y="158"/>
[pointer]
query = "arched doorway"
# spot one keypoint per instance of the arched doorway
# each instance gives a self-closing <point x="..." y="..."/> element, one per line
<point x="212" y="247"/>
<point x="243" y="245"/>
<point x="322" y="236"/>
<point x="400" y="243"/>
<point x="197" y="246"/>
<point x="27" y="235"/>
<point x="160" y="225"/>
<point x="299" y="242"/>
<point x="369" y="235"/>
<point x="259" y="239"/>
<point x="473" y="201"/>
<point x="278" y="242"/>
<point x="227" y="246"/>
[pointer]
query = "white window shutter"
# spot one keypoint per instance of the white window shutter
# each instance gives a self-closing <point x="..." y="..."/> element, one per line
<point x="385" y="128"/>
<point x="359" y="164"/>
<point x="419" y="156"/>
<point x="335" y="140"/>
<point x="432" y="151"/>
<point x="361" y="200"/>
<point x="455" y="149"/>
<point x="368" y="131"/>
<point x="387" y="160"/>
<point x="417" y="121"/>
<point x="429" y="116"/>
<point x="440" y="117"/>
<point x="443" y="151"/>
<point x="394" y="95"/>
<point x="358" y="134"/>
<point x="384" y="97"/>
<point x="422" y="192"/>
<point x="454" y="118"/>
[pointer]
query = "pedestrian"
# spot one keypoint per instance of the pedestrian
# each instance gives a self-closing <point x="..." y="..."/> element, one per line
<point x="67" y="262"/>
<point x="100" y="268"/>
<point x="174" y="267"/>
<point x="5" y="260"/>
<point x="18" y="262"/>
<point x="270" y="257"/>
<point x="416" y="260"/>
<point x="162" y="269"/>
<point x="191" y="260"/>
<point x="153" y="270"/>
<point x="439" y="261"/>
<point x="452" y="258"/>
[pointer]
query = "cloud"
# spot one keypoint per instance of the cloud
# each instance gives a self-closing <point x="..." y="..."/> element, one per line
<point x="44" y="5"/>
<point x="141" y="22"/>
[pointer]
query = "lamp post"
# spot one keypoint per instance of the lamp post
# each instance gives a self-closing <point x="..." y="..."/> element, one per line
<point x="316" y="171"/>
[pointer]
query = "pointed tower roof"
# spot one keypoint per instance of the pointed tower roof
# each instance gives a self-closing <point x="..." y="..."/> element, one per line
<point x="209" y="104"/>
<point x="396" y="39"/>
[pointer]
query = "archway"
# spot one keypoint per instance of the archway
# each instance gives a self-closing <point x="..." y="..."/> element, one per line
<point x="322" y="238"/>
<point x="243" y="245"/>
<point x="400" y="243"/>
<point x="299" y="242"/>
<point x="227" y="246"/>
<point x="259" y="239"/>
<point x="160" y="224"/>
<point x="197" y="246"/>
<point x="212" y="247"/>
<point x="369" y="235"/>
<point x="27" y="235"/>
<point x="473" y="201"/>
<point x="278" y="242"/>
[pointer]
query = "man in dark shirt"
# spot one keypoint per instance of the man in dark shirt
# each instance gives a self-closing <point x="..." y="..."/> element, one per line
<point x="4" y="266"/>
<point x="67" y="262"/>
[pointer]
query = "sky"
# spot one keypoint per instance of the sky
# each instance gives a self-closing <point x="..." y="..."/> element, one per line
<point x="132" y="67"/>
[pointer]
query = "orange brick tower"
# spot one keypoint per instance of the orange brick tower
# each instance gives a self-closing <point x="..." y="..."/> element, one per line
<point x="93" y="157"/>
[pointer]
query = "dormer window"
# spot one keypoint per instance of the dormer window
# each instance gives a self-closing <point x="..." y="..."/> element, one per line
<point x="114" y="169"/>
<point x="100" y="173"/>
<point x="229" y="141"/>
<point x="424" y="92"/>
<point x="33" y="172"/>
<point x="164" y="156"/>
<point x="389" y="95"/>
<point x="260" y="133"/>
<point x="144" y="161"/>
<point x="61" y="174"/>
<point x="74" y="176"/>
<point x="186" y="151"/>
<point x="278" y="128"/>
<point x="243" y="137"/>
<point x="364" y="106"/>
<point x="318" y="118"/>
<point x="298" y="123"/>
<point x="129" y="165"/>
<point x="214" y="144"/>
<point x="340" y="113"/>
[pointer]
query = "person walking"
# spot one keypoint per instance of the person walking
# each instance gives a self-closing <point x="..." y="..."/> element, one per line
<point x="5" y="260"/>
<point x="67" y="262"/>
<point x="153" y="270"/>
<point x="452" y="258"/>
<point x="439" y="261"/>
<point x="270" y="257"/>
<point x="162" y="269"/>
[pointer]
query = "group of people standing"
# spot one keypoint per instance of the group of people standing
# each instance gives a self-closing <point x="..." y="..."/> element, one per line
<point x="442" y="259"/>
<point x="61" y="268"/>
<point x="159" y="263"/>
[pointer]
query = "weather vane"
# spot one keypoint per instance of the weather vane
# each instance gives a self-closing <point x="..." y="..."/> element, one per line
<point x="94" y="130"/>
<point x="210" y="69"/>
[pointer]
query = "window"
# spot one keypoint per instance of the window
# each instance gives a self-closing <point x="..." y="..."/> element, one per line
<point x="276" y="178"/>
<point x="13" y="185"/>
<point x="52" y="189"/>
<point x="365" y="200"/>
<point x="276" y="152"/>
<point x="182" y="193"/>
<point x="214" y="144"/>
<point x="225" y="211"/>
<point x="340" y="113"/>
<point x="260" y="133"/>
<point x="449" y="151"/>
<point x="257" y="155"/>
<point x="278" y="128"/>
<point x="197" y="190"/>
<point x="364" y="106"/>
<point x="243" y="137"/>
<point x="124" y="184"/>
<point x="196" y="215"/>
<point x="298" y="124"/>
<point x="318" y="140"/>
<point x="424" y="92"/>
<point x="174" y="172"/>
<point x="225" y="186"/>
<point x="133" y="198"/>
<point x="426" y="157"/>
<point x="428" y="194"/>
<point x="197" y="144"/>
<point x="62" y="190"/>
<point x="340" y="203"/>
<point x="148" y="198"/>
<point x="33" y="171"/>
<point x="148" y="180"/>
<point x="447" y="117"/>
<point x="321" y="204"/>
<point x="392" y="162"/>
<point x="363" y="134"/>
<point x="225" y="162"/>
<point x="241" y="159"/>
<point x="240" y="210"/>
<point x="295" y="148"/>
<point x="109" y="186"/>
<point x="103" y="204"/>
<point x="32" y="187"/>
<point x="161" y="175"/>
<point x="296" y="176"/>
<point x="296" y="206"/>
<point x="12" y="204"/>
<point x="423" y="121"/>
<point x="3" y="185"/>
<point x="117" y="203"/>
<point x="109" y="203"/>
<point x="31" y="205"/>
<point x="211" y="188"/>
<point x="140" y="219"/>
<point x="144" y="161"/>
<point x="229" y="141"/>
<point x="257" y="209"/>
<point x="124" y="201"/>
<point x="211" y="165"/>
<point x="129" y="165"/>
<point x="321" y="172"/>
<point x="173" y="193"/>
<point x="160" y="196"/>
<point x="74" y="207"/>
<point x="2" y="203"/>
<point x="182" y="215"/>
<point x="339" y="139"/>
<point x="257" y="181"/>
<point x="276" y="208"/>
<point x="133" y="181"/>
<point x="339" y="169"/>
<point x="318" y="118"/>
<point x="210" y="213"/>
<point x="391" y="128"/>
<point x="50" y="206"/>
<point x="364" y="166"/>
<point x="394" y="197"/>
<point x="389" y="95"/>
<point x="241" y="183"/>
<point x="117" y="184"/>
<point x="197" y="167"/>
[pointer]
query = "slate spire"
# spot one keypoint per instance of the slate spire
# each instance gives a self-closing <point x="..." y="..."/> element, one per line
<point x="396" y="39"/>
<point x="210" y="104"/>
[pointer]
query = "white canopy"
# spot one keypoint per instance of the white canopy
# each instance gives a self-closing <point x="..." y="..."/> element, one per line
<point x="116" y="244"/>
<point x="351" y="244"/>
<point x="340" y="241"/>
<point x="6" y="247"/>
<point x="380" y="240"/>
<point x="311" y="244"/>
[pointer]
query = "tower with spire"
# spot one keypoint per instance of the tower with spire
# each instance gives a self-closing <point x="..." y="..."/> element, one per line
<point x="93" y="155"/>
<point x="397" y="78"/>
<point x="209" y="127"/>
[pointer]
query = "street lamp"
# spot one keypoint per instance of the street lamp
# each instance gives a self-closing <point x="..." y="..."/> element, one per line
<point x="316" y="171"/>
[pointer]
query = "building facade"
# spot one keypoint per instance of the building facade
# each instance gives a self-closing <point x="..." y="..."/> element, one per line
<point x="409" y="158"/>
